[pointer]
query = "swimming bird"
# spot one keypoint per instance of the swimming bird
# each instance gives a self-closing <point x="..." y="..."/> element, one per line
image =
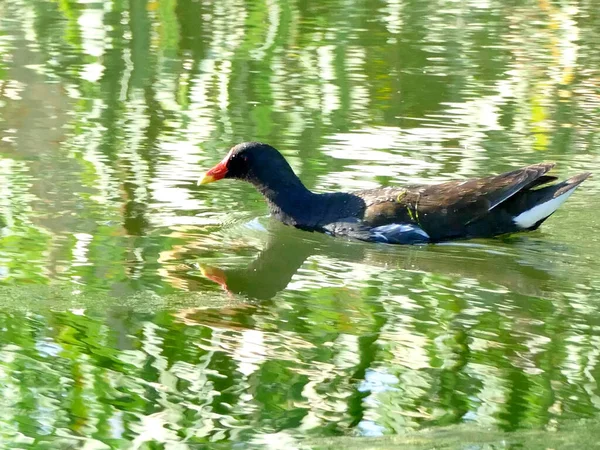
<point x="519" y="200"/>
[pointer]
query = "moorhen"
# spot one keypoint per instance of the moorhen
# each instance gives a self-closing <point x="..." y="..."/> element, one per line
<point x="478" y="208"/>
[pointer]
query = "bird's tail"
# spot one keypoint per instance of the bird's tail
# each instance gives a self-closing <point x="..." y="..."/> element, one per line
<point x="536" y="205"/>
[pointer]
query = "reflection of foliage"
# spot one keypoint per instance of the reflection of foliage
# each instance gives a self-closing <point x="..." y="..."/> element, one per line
<point x="124" y="373"/>
<point x="23" y="246"/>
<point x="152" y="81"/>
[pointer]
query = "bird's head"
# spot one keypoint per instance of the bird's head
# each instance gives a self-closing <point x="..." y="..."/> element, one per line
<point x="249" y="161"/>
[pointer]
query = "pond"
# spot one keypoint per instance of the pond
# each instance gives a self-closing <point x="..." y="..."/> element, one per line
<point x="139" y="310"/>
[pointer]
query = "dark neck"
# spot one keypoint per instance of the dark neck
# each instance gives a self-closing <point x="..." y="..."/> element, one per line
<point x="288" y="199"/>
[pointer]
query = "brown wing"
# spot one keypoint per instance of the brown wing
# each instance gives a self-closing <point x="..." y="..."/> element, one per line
<point x="445" y="209"/>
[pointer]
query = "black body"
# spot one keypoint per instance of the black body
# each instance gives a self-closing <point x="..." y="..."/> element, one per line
<point x="477" y="208"/>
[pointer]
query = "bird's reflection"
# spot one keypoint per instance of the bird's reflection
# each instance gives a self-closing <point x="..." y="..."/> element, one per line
<point x="514" y="264"/>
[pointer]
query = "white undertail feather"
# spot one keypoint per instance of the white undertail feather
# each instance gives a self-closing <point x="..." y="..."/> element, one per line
<point x="530" y="217"/>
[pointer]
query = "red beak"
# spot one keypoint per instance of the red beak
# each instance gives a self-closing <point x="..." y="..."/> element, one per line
<point x="214" y="274"/>
<point x="216" y="173"/>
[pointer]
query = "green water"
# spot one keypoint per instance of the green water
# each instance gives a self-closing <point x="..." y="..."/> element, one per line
<point x="138" y="310"/>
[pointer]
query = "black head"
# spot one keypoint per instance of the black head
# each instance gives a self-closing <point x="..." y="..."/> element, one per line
<point x="255" y="162"/>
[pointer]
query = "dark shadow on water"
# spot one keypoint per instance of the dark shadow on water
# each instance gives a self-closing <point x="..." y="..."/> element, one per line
<point x="514" y="263"/>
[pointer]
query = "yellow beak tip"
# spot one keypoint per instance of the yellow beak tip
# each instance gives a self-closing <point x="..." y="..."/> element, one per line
<point x="206" y="179"/>
<point x="204" y="270"/>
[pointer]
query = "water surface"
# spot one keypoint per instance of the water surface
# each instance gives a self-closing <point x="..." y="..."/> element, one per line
<point x="139" y="310"/>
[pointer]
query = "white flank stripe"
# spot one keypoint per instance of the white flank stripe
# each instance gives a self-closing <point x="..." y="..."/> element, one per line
<point x="531" y="216"/>
<point x="393" y="228"/>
